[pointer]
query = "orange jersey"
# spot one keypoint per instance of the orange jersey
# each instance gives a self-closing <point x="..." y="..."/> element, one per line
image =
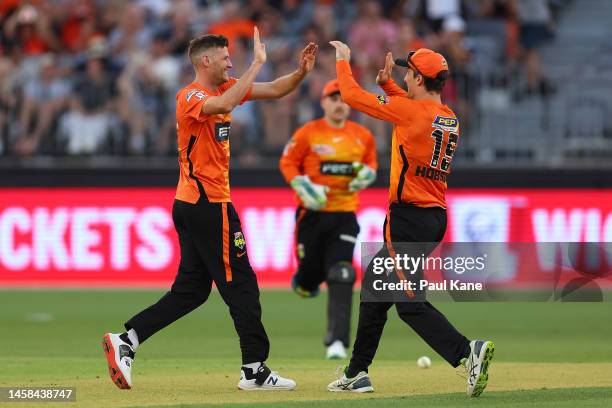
<point x="325" y="154"/>
<point x="424" y="139"/>
<point x="203" y="146"/>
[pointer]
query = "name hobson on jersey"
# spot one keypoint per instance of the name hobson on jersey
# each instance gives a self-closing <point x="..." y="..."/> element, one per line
<point x="412" y="264"/>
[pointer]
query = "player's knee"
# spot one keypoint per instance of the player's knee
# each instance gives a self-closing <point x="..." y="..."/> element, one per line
<point x="342" y="272"/>
<point x="408" y="310"/>
<point x="192" y="296"/>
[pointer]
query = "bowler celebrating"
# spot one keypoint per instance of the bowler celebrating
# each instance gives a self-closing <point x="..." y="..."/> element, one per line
<point x="210" y="236"/>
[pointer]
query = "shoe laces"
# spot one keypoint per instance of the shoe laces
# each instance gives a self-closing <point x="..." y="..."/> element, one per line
<point x="462" y="370"/>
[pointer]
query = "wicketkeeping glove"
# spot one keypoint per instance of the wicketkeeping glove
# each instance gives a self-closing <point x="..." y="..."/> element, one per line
<point x="313" y="196"/>
<point x="364" y="176"/>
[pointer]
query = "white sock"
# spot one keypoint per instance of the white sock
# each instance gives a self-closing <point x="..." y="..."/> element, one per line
<point x="253" y="366"/>
<point x="133" y="338"/>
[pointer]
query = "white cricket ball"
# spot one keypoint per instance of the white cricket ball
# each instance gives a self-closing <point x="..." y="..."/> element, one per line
<point x="424" y="362"/>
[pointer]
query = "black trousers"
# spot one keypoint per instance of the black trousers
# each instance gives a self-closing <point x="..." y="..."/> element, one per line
<point x="324" y="240"/>
<point x="212" y="249"/>
<point x="408" y="223"/>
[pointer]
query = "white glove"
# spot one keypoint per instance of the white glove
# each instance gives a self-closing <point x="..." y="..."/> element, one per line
<point x="313" y="196"/>
<point x="364" y="176"/>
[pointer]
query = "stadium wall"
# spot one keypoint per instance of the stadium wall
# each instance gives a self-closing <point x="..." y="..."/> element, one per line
<point x="124" y="237"/>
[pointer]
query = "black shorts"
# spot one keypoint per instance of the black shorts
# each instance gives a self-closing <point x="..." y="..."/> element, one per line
<point x="212" y="243"/>
<point x="408" y="231"/>
<point x="322" y="240"/>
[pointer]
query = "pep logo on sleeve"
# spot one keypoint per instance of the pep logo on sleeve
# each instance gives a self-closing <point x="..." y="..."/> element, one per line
<point x="448" y="124"/>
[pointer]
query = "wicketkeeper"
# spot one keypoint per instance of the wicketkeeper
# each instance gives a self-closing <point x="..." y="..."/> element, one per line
<point x="327" y="162"/>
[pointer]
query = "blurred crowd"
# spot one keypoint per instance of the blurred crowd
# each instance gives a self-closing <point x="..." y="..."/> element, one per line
<point x="99" y="77"/>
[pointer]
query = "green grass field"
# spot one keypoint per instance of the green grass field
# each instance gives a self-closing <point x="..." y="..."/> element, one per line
<point x="547" y="354"/>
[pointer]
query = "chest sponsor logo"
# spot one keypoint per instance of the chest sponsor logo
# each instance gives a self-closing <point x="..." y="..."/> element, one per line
<point x="337" y="168"/>
<point x="222" y="131"/>
<point x="444" y="123"/>
<point x="323" y="150"/>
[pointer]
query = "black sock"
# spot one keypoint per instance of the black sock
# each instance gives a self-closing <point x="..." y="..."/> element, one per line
<point x="124" y="337"/>
<point x="351" y="372"/>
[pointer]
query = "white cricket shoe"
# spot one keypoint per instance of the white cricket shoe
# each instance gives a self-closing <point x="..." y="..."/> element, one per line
<point x="336" y="351"/>
<point x="359" y="383"/>
<point x="477" y="366"/>
<point x="263" y="379"/>
<point x="120" y="357"/>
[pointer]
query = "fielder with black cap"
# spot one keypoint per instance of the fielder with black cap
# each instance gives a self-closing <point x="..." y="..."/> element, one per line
<point x="424" y="139"/>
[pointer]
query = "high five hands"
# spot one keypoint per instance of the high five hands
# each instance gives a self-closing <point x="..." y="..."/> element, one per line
<point x="259" y="49"/>
<point x="343" y="52"/>
<point x="385" y="74"/>
<point x="307" y="58"/>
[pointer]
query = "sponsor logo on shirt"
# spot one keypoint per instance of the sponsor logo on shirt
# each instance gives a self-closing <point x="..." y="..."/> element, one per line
<point x="448" y="124"/>
<point x="198" y="94"/>
<point x="222" y="131"/>
<point x="382" y="99"/>
<point x="337" y="168"/>
<point x="323" y="150"/>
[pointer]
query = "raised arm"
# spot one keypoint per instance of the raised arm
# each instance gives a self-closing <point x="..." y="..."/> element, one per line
<point x="287" y="83"/>
<point x="394" y="109"/>
<point x="233" y="96"/>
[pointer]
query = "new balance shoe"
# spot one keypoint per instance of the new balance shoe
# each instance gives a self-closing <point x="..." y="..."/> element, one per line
<point x="359" y="383"/>
<point x="263" y="379"/>
<point x="120" y="357"/>
<point x="477" y="366"/>
<point x="301" y="291"/>
<point x="336" y="351"/>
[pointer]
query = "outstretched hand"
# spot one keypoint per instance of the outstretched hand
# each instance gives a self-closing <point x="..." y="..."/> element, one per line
<point x="307" y="58"/>
<point x="385" y="74"/>
<point x="259" y="49"/>
<point x="343" y="52"/>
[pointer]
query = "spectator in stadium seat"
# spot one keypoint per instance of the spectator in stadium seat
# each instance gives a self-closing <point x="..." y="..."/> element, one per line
<point x="8" y="101"/>
<point x="131" y="35"/>
<point x="147" y="87"/>
<point x="76" y="25"/>
<point x="459" y="86"/>
<point x="535" y="28"/>
<point x="30" y="31"/>
<point x="86" y="125"/>
<point x="370" y="34"/>
<point x="44" y="97"/>
<point x="234" y="25"/>
<point x="180" y="27"/>
<point x="407" y="38"/>
<point x="297" y="15"/>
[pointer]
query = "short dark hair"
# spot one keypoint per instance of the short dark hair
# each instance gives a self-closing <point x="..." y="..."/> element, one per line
<point x="205" y="42"/>
<point x="433" y="84"/>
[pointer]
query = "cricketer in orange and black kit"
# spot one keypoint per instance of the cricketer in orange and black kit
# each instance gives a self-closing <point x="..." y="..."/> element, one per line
<point x="424" y="139"/>
<point x="212" y="245"/>
<point x="329" y="152"/>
